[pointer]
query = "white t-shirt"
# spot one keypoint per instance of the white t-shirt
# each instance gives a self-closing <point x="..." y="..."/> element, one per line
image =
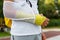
<point x="21" y="28"/>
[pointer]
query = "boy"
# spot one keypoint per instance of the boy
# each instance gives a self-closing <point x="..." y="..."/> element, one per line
<point x="26" y="20"/>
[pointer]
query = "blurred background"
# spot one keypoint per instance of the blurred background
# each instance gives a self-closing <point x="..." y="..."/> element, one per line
<point x="49" y="8"/>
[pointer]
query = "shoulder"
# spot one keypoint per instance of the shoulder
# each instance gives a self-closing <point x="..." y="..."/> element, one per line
<point x="8" y="0"/>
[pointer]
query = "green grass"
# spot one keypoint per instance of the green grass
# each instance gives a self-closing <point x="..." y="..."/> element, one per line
<point x="4" y="34"/>
<point x="54" y="23"/>
<point x="50" y="27"/>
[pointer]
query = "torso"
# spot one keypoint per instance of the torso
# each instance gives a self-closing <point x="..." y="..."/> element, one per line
<point x="23" y="28"/>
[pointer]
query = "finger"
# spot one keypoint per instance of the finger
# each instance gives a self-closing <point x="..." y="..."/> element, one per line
<point x="45" y="24"/>
<point x="41" y="14"/>
<point x="47" y="19"/>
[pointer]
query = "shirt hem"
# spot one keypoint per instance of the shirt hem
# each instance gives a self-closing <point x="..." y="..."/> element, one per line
<point x="24" y="34"/>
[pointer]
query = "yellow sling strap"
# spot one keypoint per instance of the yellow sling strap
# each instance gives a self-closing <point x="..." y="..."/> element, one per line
<point x="8" y="22"/>
<point x="39" y="19"/>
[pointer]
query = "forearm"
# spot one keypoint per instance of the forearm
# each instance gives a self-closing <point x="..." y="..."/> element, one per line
<point x="10" y="11"/>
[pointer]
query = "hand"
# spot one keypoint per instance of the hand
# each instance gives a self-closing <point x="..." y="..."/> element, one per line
<point x="45" y="23"/>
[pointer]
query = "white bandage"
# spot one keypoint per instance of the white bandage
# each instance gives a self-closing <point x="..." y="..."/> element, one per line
<point x="8" y="9"/>
<point x="18" y="11"/>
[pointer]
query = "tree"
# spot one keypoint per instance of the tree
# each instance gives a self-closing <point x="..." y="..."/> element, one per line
<point x="1" y="15"/>
<point x="48" y="8"/>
